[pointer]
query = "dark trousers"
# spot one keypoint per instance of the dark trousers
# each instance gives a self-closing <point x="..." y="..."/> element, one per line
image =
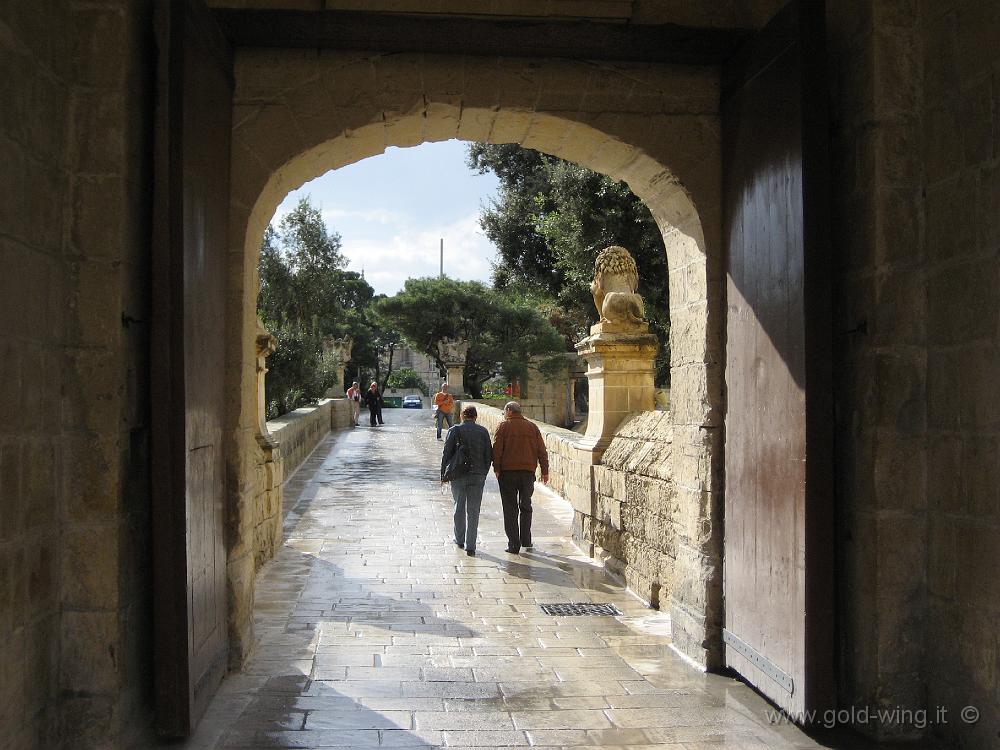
<point x="515" y="494"/>
<point x="376" y="414"/>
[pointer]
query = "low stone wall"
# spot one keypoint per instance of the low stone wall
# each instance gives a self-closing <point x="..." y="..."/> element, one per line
<point x="549" y="411"/>
<point x="292" y="437"/>
<point x="636" y="506"/>
<point x="625" y="508"/>
<point x="299" y="432"/>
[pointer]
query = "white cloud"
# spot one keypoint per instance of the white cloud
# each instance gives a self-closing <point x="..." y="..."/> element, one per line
<point x="333" y="216"/>
<point x="414" y="253"/>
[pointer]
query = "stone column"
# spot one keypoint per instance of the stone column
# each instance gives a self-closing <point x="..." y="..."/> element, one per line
<point x="453" y="353"/>
<point x="549" y="382"/>
<point x="266" y="344"/>
<point x="267" y="496"/>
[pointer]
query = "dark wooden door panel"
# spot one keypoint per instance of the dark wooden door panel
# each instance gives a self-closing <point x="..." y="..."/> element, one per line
<point x="778" y="508"/>
<point x="189" y="286"/>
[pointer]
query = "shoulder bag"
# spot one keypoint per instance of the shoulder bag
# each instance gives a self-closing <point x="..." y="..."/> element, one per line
<point x="459" y="464"/>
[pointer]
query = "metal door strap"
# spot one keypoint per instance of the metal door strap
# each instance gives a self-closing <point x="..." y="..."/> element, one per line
<point x="760" y="661"/>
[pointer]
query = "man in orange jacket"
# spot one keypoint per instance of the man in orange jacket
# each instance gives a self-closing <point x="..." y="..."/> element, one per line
<point x="517" y="449"/>
<point x="444" y="404"/>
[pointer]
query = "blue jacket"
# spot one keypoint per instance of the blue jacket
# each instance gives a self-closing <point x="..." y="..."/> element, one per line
<point x="477" y="447"/>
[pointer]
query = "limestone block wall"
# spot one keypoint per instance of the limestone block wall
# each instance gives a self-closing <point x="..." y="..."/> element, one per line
<point x="958" y="154"/>
<point x="917" y="357"/>
<point x="296" y="435"/>
<point x="33" y="449"/>
<point x="636" y="507"/>
<point x="298" y="432"/>
<point x="274" y="458"/>
<point x="75" y="604"/>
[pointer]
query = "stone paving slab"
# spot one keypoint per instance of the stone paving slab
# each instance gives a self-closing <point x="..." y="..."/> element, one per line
<point x="374" y="630"/>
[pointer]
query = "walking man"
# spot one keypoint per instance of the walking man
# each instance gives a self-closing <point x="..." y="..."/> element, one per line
<point x="373" y="400"/>
<point x="444" y="402"/>
<point x="467" y="487"/>
<point x="517" y="449"/>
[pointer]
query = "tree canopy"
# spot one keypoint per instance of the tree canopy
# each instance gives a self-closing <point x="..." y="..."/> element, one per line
<point x="307" y="296"/>
<point x="503" y="332"/>
<point x="550" y="221"/>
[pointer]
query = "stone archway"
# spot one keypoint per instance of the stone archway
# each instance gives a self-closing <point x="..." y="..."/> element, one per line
<point x="300" y="114"/>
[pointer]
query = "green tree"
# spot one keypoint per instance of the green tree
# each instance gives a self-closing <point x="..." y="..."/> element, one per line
<point x="549" y="222"/>
<point x="407" y="377"/>
<point x="306" y="295"/>
<point x="292" y="369"/>
<point x="503" y="331"/>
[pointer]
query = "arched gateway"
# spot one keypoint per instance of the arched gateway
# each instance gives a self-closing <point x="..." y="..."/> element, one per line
<point x="298" y="134"/>
<point x="272" y="119"/>
<point x="127" y="378"/>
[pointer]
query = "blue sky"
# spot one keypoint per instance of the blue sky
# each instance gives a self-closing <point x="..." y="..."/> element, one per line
<point x="392" y="210"/>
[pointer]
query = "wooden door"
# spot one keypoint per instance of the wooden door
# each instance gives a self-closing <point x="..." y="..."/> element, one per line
<point x="778" y="569"/>
<point x="191" y="209"/>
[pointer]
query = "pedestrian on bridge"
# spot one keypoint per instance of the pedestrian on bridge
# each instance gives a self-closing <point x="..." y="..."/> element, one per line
<point x="518" y="448"/>
<point x="373" y="400"/>
<point x="444" y="405"/>
<point x="472" y="442"/>
<point x="354" y="395"/>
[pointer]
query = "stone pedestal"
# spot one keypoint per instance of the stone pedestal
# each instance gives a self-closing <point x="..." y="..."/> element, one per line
<point x="456" y="378"/>
<point x="620" y="374"/>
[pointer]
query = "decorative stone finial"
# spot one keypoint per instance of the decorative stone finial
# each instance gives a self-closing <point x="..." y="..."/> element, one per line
<point x="453" y="350"/>
<point x="341" y="348"/>
<point x="616" y="278"/>
<point x="266" y="344"/>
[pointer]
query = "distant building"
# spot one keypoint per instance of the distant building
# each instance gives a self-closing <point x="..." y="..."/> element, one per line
<point x="423" y="365"/>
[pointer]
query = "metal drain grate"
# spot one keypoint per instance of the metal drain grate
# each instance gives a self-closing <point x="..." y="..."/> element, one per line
<point x="575" y="609"/>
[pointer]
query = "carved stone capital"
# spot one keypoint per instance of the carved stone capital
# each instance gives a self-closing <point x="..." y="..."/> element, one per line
<point x="452" y="351"/>
<point x="266" y="343"/>
<point x="340" y="348"/>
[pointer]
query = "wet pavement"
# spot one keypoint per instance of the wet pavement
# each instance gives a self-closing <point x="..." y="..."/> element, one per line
<point x="374" y="630"/>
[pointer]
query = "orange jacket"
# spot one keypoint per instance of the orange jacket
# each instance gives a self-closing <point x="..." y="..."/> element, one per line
<point x="444" y="401"/>
<point x="518" y="446"/>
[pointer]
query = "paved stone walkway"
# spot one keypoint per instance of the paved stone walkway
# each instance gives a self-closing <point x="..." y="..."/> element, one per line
<point x="375" y="630"/>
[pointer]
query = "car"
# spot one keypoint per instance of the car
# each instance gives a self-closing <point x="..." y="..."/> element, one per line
<point x="413" y="402"/>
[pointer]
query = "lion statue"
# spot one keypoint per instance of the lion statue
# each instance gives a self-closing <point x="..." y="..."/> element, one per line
<point x="616" y="278"/>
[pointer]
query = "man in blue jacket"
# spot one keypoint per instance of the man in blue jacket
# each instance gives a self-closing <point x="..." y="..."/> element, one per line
<point x="467" y="482"/>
